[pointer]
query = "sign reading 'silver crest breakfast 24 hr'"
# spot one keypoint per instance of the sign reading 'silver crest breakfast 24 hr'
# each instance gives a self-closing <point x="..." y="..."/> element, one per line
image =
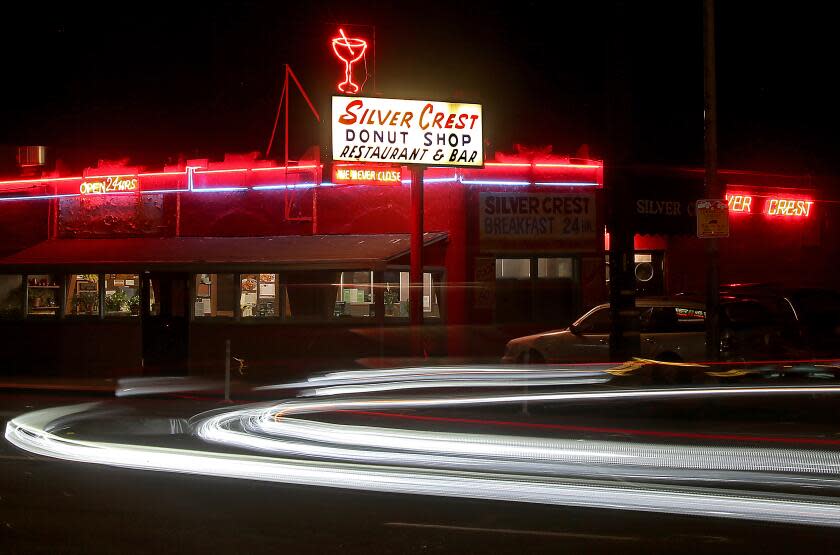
<point x="406" y="131"/>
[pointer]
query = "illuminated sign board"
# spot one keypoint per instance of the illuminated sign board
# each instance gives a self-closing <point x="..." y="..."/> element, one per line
<point x="366" y="175"/>
<point x="110" y="184"/>
<point x="772" y="205"/>
<point x="511" y="218"/>
<point x="407" y="132"/>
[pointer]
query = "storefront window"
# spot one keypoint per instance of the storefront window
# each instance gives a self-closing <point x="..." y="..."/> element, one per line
<point x="549" y="295"/>
<point x="355" y="295"/>
<point x="214" y="295"/>
<point x="42" y="295"/>
<point x="83" y="294"/>
<point x="260" y="296"/>
<point x="513" y="268"/>
<point x="555" y="268"/>
<point x="122" y="295"/>
<point x="397" y="294"/>
<point x="11" y="296"/>
<point x="312" y="294"/>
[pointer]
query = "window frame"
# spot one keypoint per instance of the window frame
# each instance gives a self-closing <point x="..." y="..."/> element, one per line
<point x="441" y="270"/>
<point x="100" y="315"/>
<point x="24" y="304"/>
<point x="121" y="317"/>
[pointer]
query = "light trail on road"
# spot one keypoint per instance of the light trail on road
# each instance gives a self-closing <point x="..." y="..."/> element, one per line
<point x="291" y="447"/>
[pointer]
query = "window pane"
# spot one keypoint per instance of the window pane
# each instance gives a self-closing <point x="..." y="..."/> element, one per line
<point x="42" y="295"/>
<point x="662" y="319"/>
<point x="431" y="291"/>
<point x="513" y="268"/>
<point x="83" y="294"/>
<point x="555" y="268"/>
<point x="154" y="296"/>
<point x="260" y="296"/>
<point x="11" y="296"/>
<point x="397" y="294"/>
<point x="312" y="294"/>
<point x="122" y="294"/>
<point x="355" y="295"/>
<point x="598" y="322"/>
<point x="214" y="295"/>
<point x="690" y="314"/>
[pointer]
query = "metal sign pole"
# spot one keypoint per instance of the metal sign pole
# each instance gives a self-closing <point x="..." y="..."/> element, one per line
<point x="712" y="185"/>
<point x="415" y="275"/>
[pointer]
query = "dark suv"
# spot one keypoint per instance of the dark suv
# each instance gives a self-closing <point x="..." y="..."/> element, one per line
<point x="808" y="319"/>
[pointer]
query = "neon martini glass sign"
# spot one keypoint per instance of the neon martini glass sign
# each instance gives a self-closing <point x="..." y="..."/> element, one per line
<point x="349" y="51"/>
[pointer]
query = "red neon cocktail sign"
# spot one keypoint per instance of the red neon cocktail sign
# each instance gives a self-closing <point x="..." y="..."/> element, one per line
<point x="349" y="51"/>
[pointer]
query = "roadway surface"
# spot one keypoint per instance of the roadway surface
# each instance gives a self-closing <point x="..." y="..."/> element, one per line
<point x="55" y="506"/>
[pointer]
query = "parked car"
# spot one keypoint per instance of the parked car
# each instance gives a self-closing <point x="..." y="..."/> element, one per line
<point x="808" y="318"/>
<point x="671" y="329"/>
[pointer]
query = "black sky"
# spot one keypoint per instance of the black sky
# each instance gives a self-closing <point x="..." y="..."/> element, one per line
<point x="153" y="80"/>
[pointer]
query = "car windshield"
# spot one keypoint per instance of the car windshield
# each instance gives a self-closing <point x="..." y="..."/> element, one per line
<point x="443" y="277"/>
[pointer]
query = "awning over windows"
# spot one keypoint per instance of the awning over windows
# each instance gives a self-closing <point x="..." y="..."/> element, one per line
<point x="221" y="253"/>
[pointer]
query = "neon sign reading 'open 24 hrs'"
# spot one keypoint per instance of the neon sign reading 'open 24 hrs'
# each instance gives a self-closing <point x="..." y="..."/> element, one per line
<point x="110" y="184"/>
<point x="773" y="205"/>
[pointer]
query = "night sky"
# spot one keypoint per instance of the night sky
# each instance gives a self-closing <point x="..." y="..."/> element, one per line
<point x="153" y="80"/>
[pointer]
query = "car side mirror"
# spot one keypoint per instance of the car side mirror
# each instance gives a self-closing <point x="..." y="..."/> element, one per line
<point x="575" y="330"/>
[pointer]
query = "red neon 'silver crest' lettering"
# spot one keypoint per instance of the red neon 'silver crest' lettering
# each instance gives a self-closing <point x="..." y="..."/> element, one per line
<point x="773" y="206"/>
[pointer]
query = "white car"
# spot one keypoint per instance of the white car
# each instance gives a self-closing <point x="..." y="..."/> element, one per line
<point x="670" y="329"/>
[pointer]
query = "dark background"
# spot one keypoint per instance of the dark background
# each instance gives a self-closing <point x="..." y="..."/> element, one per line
<point x="153" y="80"/>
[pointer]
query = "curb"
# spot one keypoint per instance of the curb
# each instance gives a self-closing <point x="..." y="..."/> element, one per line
<point x="70" y="388"/>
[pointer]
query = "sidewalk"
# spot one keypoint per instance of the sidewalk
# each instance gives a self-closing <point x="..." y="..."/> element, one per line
<point x="96" y="386"/>
<point x="108" y="387"/>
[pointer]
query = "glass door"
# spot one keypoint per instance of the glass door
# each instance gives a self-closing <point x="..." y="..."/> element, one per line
<point x="165" y="298"/>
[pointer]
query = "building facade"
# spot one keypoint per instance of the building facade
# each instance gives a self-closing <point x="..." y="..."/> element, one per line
<point x="124" y="270"/>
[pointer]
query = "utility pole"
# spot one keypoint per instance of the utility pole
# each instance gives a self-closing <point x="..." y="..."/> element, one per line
<point x="712" y="190"/>
<point x="624" y="322"/>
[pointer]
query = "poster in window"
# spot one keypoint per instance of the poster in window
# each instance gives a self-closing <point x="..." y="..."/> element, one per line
<point x="203" y="290"/>
<point x="249" y="284"/>
<point x="87" y="285"/>
<point x="267" y="289"/>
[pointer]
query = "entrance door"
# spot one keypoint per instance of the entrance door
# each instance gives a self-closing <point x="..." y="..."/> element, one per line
<point x="165" y="323"/>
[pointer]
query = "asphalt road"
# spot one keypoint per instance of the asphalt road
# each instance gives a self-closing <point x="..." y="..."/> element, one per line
<point x="51" y="506"/>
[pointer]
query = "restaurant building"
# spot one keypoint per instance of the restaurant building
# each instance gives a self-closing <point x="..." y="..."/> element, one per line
<point x="122" y="270"/>
<point x="784" y="230"/>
